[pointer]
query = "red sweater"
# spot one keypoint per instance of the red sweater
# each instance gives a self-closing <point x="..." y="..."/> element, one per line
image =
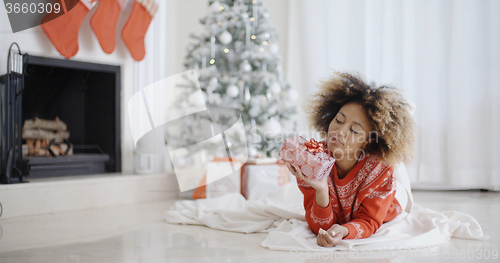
<point x="361" y="201"/>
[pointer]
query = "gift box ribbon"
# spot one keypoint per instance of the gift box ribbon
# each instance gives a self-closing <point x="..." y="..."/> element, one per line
<point x="314" y="146"/>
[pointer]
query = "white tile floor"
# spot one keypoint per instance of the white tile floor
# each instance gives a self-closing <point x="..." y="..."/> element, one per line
<point x="137" y="233"/>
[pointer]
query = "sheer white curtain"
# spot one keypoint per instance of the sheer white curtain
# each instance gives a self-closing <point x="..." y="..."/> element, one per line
<point x="445" y="55"/>
<point x="151" y="69"/>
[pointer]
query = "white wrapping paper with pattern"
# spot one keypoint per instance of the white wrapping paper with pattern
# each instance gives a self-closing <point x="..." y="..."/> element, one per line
<point x="313" y="165"/>
<point x="260" y="179"/>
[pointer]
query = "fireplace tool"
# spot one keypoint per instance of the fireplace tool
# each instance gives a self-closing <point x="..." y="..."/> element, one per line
<point x="13" y="167"/>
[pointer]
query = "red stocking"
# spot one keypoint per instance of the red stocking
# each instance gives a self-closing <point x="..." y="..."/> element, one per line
<point x="134" y="31"/>
<point x="103" y="23"/>
<point x="63" y="30"/>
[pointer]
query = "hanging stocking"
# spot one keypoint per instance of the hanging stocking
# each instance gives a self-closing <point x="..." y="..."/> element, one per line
<point x="134" y="31"/>
<point x="63" y="31"/>
<point x="103" y="23"/>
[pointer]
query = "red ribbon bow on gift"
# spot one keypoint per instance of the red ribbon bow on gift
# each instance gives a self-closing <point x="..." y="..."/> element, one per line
<point x="314" y="146"/>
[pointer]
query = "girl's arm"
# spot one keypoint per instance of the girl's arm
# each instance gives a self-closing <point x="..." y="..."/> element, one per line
<point x="374" y="208"/>
<point x="319" y="213"/>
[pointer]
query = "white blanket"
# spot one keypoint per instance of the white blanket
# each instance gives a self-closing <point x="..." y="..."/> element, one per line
<point x="281" y="213"/>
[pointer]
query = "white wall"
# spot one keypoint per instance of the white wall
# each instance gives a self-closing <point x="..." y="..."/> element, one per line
<point x="183" y="19"/>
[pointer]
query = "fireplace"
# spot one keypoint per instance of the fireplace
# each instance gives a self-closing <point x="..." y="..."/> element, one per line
<point x="86" y="97"/>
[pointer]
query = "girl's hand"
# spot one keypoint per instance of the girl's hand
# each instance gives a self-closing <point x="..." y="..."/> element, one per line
<point x="332" y="236"/>
<point x="319" y="185"/>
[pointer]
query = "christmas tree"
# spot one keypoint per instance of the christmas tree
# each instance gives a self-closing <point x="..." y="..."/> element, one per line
<point x="238" y="66"/>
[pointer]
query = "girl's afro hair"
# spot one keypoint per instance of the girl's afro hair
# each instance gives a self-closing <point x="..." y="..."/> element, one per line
<point x="387" y="110"/>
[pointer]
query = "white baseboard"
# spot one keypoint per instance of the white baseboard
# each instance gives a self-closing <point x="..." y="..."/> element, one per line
<point x="447" y="187"/>
<point x="52" y="195"/>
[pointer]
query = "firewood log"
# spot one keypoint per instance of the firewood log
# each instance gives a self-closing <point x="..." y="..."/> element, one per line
<point x="52" y="125"/>
<point x="31" y="147"/>
<point x="38" y="145"/>
<point x="45" y="135"/>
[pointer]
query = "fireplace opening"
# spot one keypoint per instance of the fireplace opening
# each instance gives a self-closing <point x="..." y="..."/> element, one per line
<point x="86" y="97"/>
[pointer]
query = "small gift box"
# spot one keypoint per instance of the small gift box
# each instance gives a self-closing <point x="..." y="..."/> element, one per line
<point x="312" y="158"/>
<point x="219" y="179"/>
<point x="258" y="179"/>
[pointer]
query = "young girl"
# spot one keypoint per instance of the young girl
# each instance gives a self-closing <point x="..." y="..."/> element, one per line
<point x="368" y="130"/>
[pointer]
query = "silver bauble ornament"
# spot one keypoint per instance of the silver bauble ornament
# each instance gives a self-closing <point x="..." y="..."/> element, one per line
<point x="215" y="7"/>
<point x="274" y="48"/>
<point x="272" y="128"/>
<point x="213" y="81"/>
<point x="275" y="88"/>
<point x="225" y="38"/>
<point x="245" y="66"/>
<point x="233" y="91"/>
